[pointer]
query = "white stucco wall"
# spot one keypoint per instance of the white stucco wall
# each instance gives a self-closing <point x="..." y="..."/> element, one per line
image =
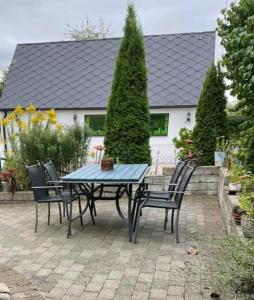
<point x="163" y="144"/>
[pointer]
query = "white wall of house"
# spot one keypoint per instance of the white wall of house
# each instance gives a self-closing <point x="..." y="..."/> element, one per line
<point x="161" y="146"/>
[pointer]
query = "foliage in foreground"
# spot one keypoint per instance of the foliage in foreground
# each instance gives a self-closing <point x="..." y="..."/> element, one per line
<point x="211" y="117"/>
<point x="34" y="135"/>
<point x="127" y="126"/>
<point x="232" y="270"/>
<point x="236" y="30"/>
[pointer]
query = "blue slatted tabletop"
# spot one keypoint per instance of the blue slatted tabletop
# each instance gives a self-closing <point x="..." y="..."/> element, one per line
<point x="122" y="173"/>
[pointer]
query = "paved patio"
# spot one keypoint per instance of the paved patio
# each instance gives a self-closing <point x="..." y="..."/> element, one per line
<point x="99" y="262"/>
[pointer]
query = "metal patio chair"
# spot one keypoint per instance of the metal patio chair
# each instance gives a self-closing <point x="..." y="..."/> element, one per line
<point x="42" y="195"/>
<point x="165" y="200"/>
<point x="93" y="193"/>
<point x="141" y="192"/>
<point x="67" y="190"/>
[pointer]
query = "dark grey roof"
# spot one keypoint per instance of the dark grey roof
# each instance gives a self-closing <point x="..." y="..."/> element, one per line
<point x="76" y="75"/>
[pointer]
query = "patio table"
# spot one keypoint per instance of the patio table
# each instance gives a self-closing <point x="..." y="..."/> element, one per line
<point x="127" y="174"/>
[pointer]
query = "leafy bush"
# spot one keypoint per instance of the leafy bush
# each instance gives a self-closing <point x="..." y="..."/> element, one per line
<point x="232" y="270"/>
<point x="40" y="138"/>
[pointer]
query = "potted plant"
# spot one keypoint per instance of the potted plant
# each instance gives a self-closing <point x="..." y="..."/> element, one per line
<point x="107" y="164"/>
<point x="221" y="152"/>
<point x="8" y="181"/>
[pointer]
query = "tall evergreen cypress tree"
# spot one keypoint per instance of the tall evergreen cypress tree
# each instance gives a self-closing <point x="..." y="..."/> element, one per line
<point x="211" y="116"/>
<point x="127" y="127"/>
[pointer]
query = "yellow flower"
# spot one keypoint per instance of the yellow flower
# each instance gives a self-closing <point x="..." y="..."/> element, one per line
<point x="22" y="124"/>
<point x="5" y="121"/>
<point x="53" y="120"/>
<point x="51" y="114"/>
<point x="31" y="108"/>
<point x="11" y="116"/>
<point x="59" y="126"/>
<point x="19" y="110"/>
<point x="37" y="118"/>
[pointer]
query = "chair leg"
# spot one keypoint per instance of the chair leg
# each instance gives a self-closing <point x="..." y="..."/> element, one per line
<point x="135" y="217"/>
<point x="68" y="220"/>
<point x="166" y="219"/>
<point x="63" y="210"/>
<point x="48" y="213"/>
<point x="172" y="221"/>
<point x="137" y="224"/>
<point x="80" y="211"/>
<point x="36" y="217"/>
<point x="176" y="224"/>
<point x="60" y="212"/>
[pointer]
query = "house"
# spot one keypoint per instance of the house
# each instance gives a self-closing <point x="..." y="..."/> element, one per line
<point x="75" y="77"/>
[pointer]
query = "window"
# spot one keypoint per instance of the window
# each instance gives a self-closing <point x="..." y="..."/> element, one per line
<point x="159" y="124"/>
<point x="96" y="123"/>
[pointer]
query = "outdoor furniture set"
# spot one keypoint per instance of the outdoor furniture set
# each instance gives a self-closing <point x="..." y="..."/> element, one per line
<point x="90" y="182"/>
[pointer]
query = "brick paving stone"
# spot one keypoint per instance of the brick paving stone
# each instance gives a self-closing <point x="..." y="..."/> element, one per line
<point x="145" y="277"/>
<point x="99" y="278"/>
<point x="98" y="261"/>
<point x="140" y="295"/>
<point x="61" y="270"/>
<point x="176" y="290"/>
<point x="158" y="294"/>
<point x="116" y="275"/>
<point x="57" y="292"/>
<point x="107" y="293"/>
<point x="111" y="284"/>
<point x="75" y="290"/>
<point x="131" y="272"/>
<point x="88" y="296"/>
<point x="44" y="272"/>
<point x="94" y="286"/>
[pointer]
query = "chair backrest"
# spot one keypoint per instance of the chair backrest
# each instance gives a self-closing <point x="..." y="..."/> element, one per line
<point x="178" y="171"/>
<point x="183" y="184"/>
<point x="37" y="178"/>
<point x="50" y="169"/>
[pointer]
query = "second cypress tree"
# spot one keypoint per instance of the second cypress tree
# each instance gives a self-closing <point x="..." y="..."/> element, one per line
<point x="127" y="126"/>
<point x="211" y="116"/>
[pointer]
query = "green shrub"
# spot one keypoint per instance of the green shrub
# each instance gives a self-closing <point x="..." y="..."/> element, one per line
<point x="42" y="138"/>
<point x="127" y="125"/>
<point x="211" y="117"/>
<point x="232" y="269"/>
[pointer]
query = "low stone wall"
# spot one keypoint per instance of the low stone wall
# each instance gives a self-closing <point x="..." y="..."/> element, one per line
<point x="227" y="203"/>
<point x="24" y="196"/>
<point x="203" y="182"/>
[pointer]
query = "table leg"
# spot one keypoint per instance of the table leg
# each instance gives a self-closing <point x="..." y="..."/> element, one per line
<point x="130" y="212"/>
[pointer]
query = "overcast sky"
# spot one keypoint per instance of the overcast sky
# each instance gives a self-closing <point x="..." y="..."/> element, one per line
<point x="23" y="21"/>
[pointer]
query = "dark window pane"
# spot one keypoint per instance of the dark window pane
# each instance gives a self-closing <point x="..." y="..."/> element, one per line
<point x="96" y="123"/>
<point x="159" y="124"/>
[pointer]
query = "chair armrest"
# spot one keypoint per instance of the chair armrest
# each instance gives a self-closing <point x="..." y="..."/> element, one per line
<point x="157" y="192"/>
<point x="47" y="187"/>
